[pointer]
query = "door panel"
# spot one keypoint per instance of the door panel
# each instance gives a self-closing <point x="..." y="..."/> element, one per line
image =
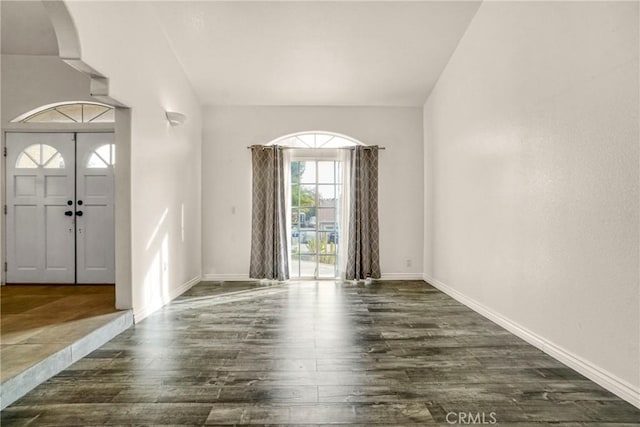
<point x="24" y="186"/>
<point x="94" y="194"/>
<point x="56" y="237"/>
<point x="40" y="182"/>
<point x="25" y="249"/>
<point x="55" y="186"/>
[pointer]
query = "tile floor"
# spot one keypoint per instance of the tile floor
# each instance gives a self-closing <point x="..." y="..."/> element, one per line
<point x="318" y="353"/>
<point x="37" y="321"/>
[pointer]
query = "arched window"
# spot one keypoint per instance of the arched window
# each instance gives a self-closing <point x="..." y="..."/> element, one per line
<point x="69" y="112"/>
<point x="40" y="156"/>
<point x="315" y="140"/>
<point x="102" y="157"/>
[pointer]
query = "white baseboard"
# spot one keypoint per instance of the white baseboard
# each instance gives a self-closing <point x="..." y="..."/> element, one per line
<point x="611" y="382"/>
<point x="401" y="276"/>
<point x="245" y="277"/>
<point x="139" y="314"/>
<point x="226" y="277"/>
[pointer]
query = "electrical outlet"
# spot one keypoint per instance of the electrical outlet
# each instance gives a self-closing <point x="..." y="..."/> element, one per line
<point x="408" y="262"/>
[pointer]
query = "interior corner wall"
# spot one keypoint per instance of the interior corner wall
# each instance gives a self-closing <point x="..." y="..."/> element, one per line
<point x="226" y="192"/>
<point x="531" y="149"/>
<point x="124" y="42"/>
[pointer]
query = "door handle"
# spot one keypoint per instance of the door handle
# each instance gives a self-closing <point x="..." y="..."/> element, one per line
<point x="68" y="213"/>
<point x="79" y="213"/>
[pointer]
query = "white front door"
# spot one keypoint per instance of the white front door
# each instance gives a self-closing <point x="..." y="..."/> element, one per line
<point x="60" y="212"/>
<point x="94" y="208"/>
<point x="40" y="198"/>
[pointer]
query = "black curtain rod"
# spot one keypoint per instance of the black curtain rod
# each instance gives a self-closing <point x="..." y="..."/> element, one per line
<point x="311" y="148"/>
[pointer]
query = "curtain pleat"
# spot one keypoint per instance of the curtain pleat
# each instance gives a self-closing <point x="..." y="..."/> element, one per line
<point x="269" y="257"/>
<point x="363" y="256"/>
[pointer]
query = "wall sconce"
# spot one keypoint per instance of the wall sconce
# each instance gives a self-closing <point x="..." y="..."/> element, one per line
<point x="175" y="119"/>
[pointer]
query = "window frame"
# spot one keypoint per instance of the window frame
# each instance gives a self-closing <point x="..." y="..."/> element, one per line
<point x="40" y="163"/>
<point x="26" y="118"/>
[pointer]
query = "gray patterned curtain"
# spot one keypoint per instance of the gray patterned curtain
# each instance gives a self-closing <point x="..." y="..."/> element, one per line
<point x="269" y="258"/>
<point x="363" y="256"/>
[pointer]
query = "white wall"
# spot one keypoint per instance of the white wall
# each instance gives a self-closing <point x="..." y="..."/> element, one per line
<point x="123" y="41"/>
<point x="532" y="178"/>
<point x="30" y="81"/>
<point x="226" y="178"/>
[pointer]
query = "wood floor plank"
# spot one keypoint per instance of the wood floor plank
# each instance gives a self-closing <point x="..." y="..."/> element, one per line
<point x="317" y="353"/>
<point x="38" y="321"/>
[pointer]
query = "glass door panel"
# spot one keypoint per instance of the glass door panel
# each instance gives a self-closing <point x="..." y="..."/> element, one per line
<point x="315" y="208"/>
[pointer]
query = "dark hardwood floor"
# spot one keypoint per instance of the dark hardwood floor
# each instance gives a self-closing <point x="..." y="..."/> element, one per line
<point x="318" y="353"/>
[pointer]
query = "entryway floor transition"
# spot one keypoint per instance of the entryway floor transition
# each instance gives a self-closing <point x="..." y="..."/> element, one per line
<point x="44" y="328"/>
<point x="395" y="353"/>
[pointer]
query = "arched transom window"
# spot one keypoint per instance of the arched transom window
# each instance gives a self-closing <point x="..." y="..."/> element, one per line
<point x="69" y="112"/>
<point x="40" y="156"/>
<point x="102" y="157"/>
<point x="315" y="140"/>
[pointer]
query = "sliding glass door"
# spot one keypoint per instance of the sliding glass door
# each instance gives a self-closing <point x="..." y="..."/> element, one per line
<point x="316" y="196"/>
